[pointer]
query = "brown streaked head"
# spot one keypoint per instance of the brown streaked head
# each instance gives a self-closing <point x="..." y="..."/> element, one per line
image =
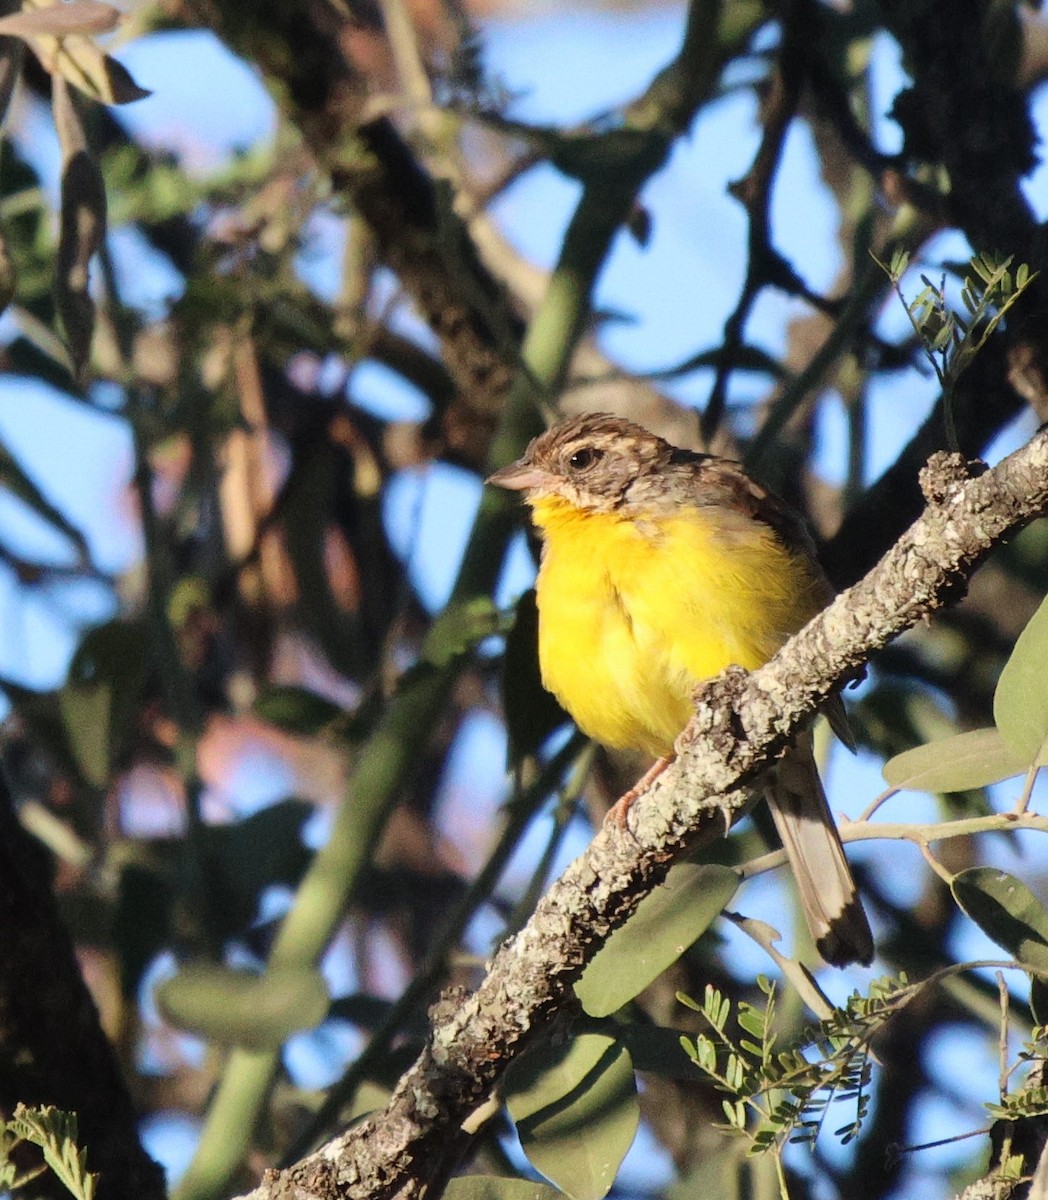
<point x="596" y="462"/>
<point x="604" y="464"/>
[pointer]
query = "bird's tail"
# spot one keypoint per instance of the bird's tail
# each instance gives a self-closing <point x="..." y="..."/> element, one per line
<point x="827" y="890"/>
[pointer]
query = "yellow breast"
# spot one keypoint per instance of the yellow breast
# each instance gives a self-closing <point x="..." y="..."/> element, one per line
<point x="634" y="613"/>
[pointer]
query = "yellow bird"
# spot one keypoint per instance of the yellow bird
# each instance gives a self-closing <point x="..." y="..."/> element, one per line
<point x="661" y="567"/>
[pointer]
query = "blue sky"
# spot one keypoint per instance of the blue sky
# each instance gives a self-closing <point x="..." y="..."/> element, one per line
<point x="678" y="291"/>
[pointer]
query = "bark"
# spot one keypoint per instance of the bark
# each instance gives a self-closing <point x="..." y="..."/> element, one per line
<point x="743" y="722"/>
<point x="52" y="1047"/>
<point x="306" y="50"/>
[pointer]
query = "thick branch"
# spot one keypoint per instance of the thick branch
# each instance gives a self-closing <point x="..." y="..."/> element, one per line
<point x="305" y="49"/>
<point x="53" y="1049"/>
<point x="742" y="723"/>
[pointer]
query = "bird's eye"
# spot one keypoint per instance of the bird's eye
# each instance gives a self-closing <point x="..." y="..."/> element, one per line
<point x="584" y="458"/>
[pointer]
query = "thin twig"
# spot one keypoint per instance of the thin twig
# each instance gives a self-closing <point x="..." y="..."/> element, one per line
<point x="764" y="264"/>
<point x="1002" y="1035"/>
<point x="876" y="803"/>
<point x="1023" y="803"/>
<point x="919" y="834"/>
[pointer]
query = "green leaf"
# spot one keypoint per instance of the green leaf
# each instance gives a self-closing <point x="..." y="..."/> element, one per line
<point x="498" y="1187"/>
<point x="1039" y="1000"/>
<point x="100" y="703"/>
<point x="141" y="921"/>
<point x="576" y="1112"/>
<point x="1020" y="704"/>
<point x="663" y="927"/>
<point x="296" y="709"/>
<point x="751" y="1021"/>
<point x="705" y="1054"/>
<point x="248" y="856"/>
<point x="55" y="1132"/>
<point x="1005" y="910"/>
<point x="956" y="764"/>
<point x="716" y="1007"/>
<point x="85" y="711"/>
<point x="82" y="226"/>
<point x="532" y="713"/>
<point x="78" y="60"/>
<point x="458" y="629"/>
<point x="237" y="1008"/>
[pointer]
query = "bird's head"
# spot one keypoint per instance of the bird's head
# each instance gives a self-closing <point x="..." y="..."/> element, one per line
<point x="596" y="463"/>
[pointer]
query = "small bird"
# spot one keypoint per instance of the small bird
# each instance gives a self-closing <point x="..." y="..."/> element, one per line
<point x="661" y="567"/>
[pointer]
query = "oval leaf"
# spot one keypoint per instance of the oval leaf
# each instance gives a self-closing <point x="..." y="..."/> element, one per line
<point x="60" y="20"/>
<point x="296" y="709"/>
<point x="83" y="219"/>
<point x="259" y="1012"/>
<point x="458" y="629"/>
<point x="532" y="713"/>
<point x="8" y="269"/>
<point x="663" y="927"/>
<point x="118" y="86"/>
<point x="576" y="1112"/>
<point x="101" y="700"/>
<point x="955" y="764"/>
<point x="12" y="52"/>
<point x="1020" y="704"/>
<point x="1005" y="910"/>
<point x="498" y="1187"/>
<point x="82" y="63"/>
<point x="86" y="711"/>
<point x="81" y="229"/>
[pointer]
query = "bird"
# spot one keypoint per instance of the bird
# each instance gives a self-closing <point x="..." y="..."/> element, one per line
<point x="659" y="568"/>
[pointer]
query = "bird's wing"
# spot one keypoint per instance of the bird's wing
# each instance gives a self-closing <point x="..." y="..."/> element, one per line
<point x="723" y="484"/>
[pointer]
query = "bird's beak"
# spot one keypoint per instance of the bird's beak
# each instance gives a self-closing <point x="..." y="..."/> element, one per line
<point x="519" y="476"/>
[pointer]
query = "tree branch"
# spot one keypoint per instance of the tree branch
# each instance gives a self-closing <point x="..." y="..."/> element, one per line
<point x="53" y="1049"/>
<point x="742" y="723"/>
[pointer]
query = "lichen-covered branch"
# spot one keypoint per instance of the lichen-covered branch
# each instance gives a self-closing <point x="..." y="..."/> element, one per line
<point x="742" y="722"/>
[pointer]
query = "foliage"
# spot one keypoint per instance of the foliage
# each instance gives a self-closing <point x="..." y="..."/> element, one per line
<point x="275" y="618"/>
<point x="1030" y="1099"/>
<point x="55" y="1133"/>
<point x="949" y="340"/>
<point x="788" y="1092"/>
<point x="1014" y="745"/>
